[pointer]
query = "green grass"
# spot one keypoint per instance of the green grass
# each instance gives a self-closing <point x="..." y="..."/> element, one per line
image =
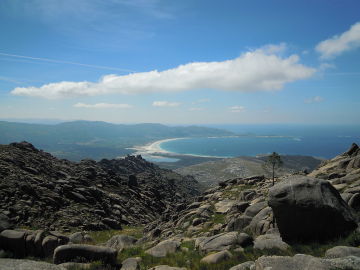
<point x="234" y="193"/>
<point x="218" y="218"/>
<point x="103" y="236"/>
<point x="318" y="249"/>
<point x="136" y="232"/>
<point x="181" y="258"/>
<point x="191" y="257"/>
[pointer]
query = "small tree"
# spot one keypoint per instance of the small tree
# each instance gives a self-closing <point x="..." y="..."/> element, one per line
<point x="274" y="161"/>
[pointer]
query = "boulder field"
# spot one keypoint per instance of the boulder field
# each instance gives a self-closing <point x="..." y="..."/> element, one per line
<point x="40" y="191"/>
<point x="217" y="229"/>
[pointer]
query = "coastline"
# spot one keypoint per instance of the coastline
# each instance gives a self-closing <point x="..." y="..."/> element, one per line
<point x="154" y="150"/>
<point x="154" y="147"/>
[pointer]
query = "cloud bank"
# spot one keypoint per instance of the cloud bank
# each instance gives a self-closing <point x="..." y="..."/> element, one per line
<point x="165" y="104"/>
<point x="102" y="106"/>
<point x="237" y="109"/>
<point x="338" y="44"/>
<point x="260" y="70"/>
<point x="315" y="99"/>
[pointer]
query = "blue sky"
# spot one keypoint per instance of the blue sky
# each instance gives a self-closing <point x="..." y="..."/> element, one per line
<point x="181" y="62"/>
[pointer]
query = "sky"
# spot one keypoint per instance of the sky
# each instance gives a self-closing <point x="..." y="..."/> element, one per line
<point x="181" y="62"/>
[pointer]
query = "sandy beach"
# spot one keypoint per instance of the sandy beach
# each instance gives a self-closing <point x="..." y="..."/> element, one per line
<point x="154" y="148"/>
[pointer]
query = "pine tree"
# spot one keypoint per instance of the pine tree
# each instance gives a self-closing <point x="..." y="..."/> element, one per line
<point x="274" y="161"/>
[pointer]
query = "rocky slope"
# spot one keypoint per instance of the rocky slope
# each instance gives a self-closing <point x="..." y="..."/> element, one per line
<point x="343" y="172"/>
<point x="38" y="190"/>
<point x="233" y="204"/>
<point x="307" y="221"/>
<point x="300" y="209"/>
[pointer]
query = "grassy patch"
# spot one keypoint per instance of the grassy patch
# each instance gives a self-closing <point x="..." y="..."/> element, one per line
<point x="234" y="193"/>
<point x="190" y="257"/>
<point x="103" y="236"/>
<point x="218" y="218"/>
<point x="318" y="249"/>
<point x="136" y="232"/>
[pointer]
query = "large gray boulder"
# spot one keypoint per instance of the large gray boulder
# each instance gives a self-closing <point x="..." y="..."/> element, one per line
<point x="120" y="242"/>
<point x="249" y="265"/>
<point x="164" y="248"/>
<point x="49" y="244"/>
<point x="131" y="264"/>
<point x="39" y="237"/>
<point x="217" y="257"/>
<point x="308" y="209"/>
<point x="166" y="267"/>
<point x="342" y="251"/>
<point x="13" y="264"/>
<point x="254" y="209"/>
<point x="270" y="242"/>
<point x="84" y="253"/>
<point x="222" y="241"/>
<point x="30" y="244"/>
<point x="5" y="222"/>
<point x="241" y="222"/>
<point x="224" y="206"/>
<point x="301" y="262"/>
<point x="262" y="222"/>
<point x="79" y="238"/>
<point x="238" y="223"/>
<point x="13" y="241"/>
<point x="354" y="201"/>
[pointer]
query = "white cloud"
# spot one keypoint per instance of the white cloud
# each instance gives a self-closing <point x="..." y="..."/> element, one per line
<point x="315" y="99"/>
<point x="257" y="70"/>
<point x="196" y="109"/>
<point x="165" y="104"/>
<point x="338" y="44"/>
<point x="202" y="100"/>
<point x="237" y="109"/>
<point x="274" y="48"/>
<point x="103" y="106"/>
<point x="325" y="66"/>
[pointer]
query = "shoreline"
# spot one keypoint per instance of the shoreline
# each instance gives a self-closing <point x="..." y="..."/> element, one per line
<point x="154" y="147"/>
<point x="154" y="150"/>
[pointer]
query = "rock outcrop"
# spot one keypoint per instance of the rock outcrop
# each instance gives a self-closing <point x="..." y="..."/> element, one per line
<point x="41" y="191"/>
<point x="223" y="241"/>
<point x="270" y="242"/>
<point x="343" y="172"/>
<point x="301" y="262"/>
<point x="308" y="209"/>
<point x="235" y="221"/>
<point x="22" y="243"/>
<point x="342" y="251"/>
<point x="13" y="264"/>
<point x="217" y="257"/>
<point x="84" y="253"/>
<point x="164" y="248"/>
<point x="120" y="242"/>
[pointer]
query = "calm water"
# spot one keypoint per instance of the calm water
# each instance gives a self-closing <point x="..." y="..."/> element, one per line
<point x="323" y="141"/>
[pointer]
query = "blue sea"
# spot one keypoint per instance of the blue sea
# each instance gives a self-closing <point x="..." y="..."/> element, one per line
<point x="252" y="140"/>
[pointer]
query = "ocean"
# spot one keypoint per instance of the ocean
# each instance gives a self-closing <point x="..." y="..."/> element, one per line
<point x="252" y="140"/>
